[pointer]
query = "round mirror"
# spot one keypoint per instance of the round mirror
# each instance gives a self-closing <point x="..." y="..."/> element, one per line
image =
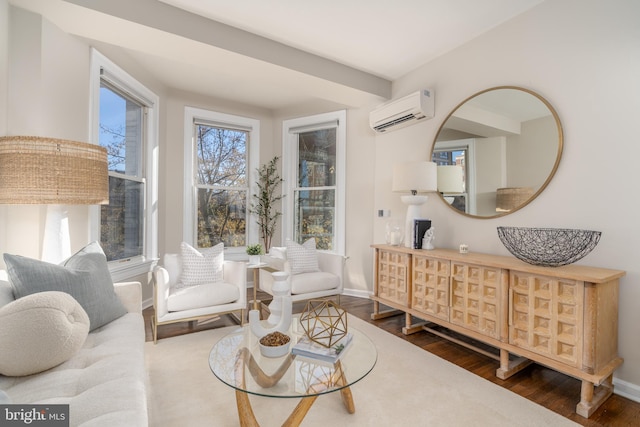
<point x="497" y="151"/>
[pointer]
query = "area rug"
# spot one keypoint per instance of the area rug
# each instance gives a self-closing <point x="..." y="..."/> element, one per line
<point x="407" y="387"/>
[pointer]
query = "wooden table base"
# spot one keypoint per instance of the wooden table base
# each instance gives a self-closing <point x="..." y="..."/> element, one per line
<point x="245" y="412"/>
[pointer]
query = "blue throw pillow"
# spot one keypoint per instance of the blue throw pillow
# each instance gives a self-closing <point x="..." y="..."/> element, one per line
<point x="85" y="276"/>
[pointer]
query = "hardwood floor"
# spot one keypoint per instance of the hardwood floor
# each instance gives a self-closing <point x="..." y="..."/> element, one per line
<point x="553" y="390"/>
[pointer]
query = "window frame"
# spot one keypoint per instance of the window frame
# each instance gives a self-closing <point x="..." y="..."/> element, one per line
<point x="469" y="146"/>
<point x="252" y="126"/>
<point x="101" y="67"/>
<point x="290" y="130"/>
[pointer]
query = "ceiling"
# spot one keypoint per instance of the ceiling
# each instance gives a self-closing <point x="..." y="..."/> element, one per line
<point x="280" y="53"/>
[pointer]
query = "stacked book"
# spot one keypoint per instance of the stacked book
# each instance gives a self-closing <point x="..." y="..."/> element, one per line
<point x="420" y="226"/>
<point x="308" y="348"/>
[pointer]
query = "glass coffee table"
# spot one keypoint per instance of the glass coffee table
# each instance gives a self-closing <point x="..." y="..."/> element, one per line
<point x="236" y="361"/>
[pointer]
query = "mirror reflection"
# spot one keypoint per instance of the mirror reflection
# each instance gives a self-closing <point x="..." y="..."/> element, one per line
<point x="497" y="151"/>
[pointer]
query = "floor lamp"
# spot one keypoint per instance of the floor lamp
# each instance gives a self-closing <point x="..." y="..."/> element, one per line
<point x="415" y="178"/>
<point x="53" y="172"/>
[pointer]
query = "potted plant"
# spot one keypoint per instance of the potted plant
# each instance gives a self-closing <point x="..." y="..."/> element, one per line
<point x="265" y="200"/>
<point x="254" y="252"/>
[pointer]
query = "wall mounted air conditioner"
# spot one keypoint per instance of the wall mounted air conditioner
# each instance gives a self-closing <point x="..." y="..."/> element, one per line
<point x="402" y="112"/>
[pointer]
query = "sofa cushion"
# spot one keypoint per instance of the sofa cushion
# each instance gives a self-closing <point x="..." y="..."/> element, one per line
<point x="85" y="276"/>
<point x="313" y="282"/>
<point x="206" y="295"/>
<point x="200" y="267"/>
<point x="302" y="257"/>
<point x="41" y="330"/>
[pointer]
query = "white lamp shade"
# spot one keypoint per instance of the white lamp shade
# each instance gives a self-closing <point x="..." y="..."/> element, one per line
<point x="450" y="179"/>
<point x="419" y="177"/>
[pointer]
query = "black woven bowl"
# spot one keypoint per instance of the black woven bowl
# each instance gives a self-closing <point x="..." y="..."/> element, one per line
<point x="550" y="247"/>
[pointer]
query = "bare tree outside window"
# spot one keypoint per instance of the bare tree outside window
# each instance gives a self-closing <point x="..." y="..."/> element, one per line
<point x="222" y="187"/>
<point x="316" y="193"/>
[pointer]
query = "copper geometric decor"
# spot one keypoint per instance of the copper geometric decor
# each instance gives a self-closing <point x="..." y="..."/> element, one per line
<point x="324" y="322"/>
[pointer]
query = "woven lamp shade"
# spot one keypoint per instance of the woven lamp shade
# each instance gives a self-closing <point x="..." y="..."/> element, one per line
<point x="508" y="199"/>
<point x="39" y="170"/>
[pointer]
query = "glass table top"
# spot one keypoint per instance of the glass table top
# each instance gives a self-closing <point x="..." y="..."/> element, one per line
<point x="236" y="361"/>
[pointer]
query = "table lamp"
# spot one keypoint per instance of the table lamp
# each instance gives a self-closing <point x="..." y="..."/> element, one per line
<point x="450" y="181"/>
<point x="53" y="172"/>
<point x="416" y="178"/>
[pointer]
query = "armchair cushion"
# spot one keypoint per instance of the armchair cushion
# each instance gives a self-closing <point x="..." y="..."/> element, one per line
<point x="85" y="276"/>
<point x="200" y="267"/>
<point x="313" y="282"/>
<point x="302" y="258"/>
<point x="198" y="296"/>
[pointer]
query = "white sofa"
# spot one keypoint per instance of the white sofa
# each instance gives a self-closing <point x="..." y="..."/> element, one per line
<point x="104" y="383"/>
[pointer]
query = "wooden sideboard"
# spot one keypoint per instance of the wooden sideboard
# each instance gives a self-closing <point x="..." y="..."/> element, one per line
<point x="565" y="318"/>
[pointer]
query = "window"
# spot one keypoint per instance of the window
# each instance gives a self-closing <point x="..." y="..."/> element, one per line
<point x="460" y="153"/>
<point x="121" y="133"/>
<point x="314" y="176"/>
<point x="125" y="123"/>
<point x="222" y="158"/>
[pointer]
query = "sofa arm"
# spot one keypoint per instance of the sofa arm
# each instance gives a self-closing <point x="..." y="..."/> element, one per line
<point x="130" y="293"/>
<point x="161" y="288"/>
<point x="331" y="263"/>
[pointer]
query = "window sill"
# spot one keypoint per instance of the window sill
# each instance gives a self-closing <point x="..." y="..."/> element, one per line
<point x="125" y="270"/>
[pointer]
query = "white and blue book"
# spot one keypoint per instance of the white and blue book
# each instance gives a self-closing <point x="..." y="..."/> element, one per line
<point x="307" y="348"/>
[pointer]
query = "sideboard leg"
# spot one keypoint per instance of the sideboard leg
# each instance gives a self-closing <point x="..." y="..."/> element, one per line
<point x="592" y="397"/>
<point x="510" y="367"/>
<point x="377" y="314"/>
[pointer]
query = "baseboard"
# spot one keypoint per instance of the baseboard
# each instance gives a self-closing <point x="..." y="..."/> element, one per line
<point x="147" y="303"/>
<point x="356" y="293"/>
<point x="625" y="389"/>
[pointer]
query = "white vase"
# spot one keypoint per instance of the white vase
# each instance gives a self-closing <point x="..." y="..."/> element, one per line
<point x="254" y="259"/>
<point x="280" y="309"/>
<point x="279" y="289"/>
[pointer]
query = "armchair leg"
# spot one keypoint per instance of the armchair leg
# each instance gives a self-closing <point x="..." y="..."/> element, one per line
<point x="154" y="329"/>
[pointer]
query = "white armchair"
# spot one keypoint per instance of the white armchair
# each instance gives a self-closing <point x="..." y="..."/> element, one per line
<point x="173" y="304"/>
<point x="327" y="282"/>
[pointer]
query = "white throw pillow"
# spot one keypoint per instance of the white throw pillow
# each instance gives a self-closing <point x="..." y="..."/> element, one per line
<point x="40" y="331"/>
<point x="278" y="252"/>
<point x="200" y="267"/>
<point x="302" y="258"/>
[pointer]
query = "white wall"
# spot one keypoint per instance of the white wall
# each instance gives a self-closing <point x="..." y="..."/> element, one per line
<point x="584" y="58"/>
<point x="4" y="60"/>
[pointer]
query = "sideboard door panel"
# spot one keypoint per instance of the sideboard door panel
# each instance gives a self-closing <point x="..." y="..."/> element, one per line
<point x="430" y="293"/>
<point x="547" y="316"/>
<point x="393" y="276"/>
<point x="475" y="298"/>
